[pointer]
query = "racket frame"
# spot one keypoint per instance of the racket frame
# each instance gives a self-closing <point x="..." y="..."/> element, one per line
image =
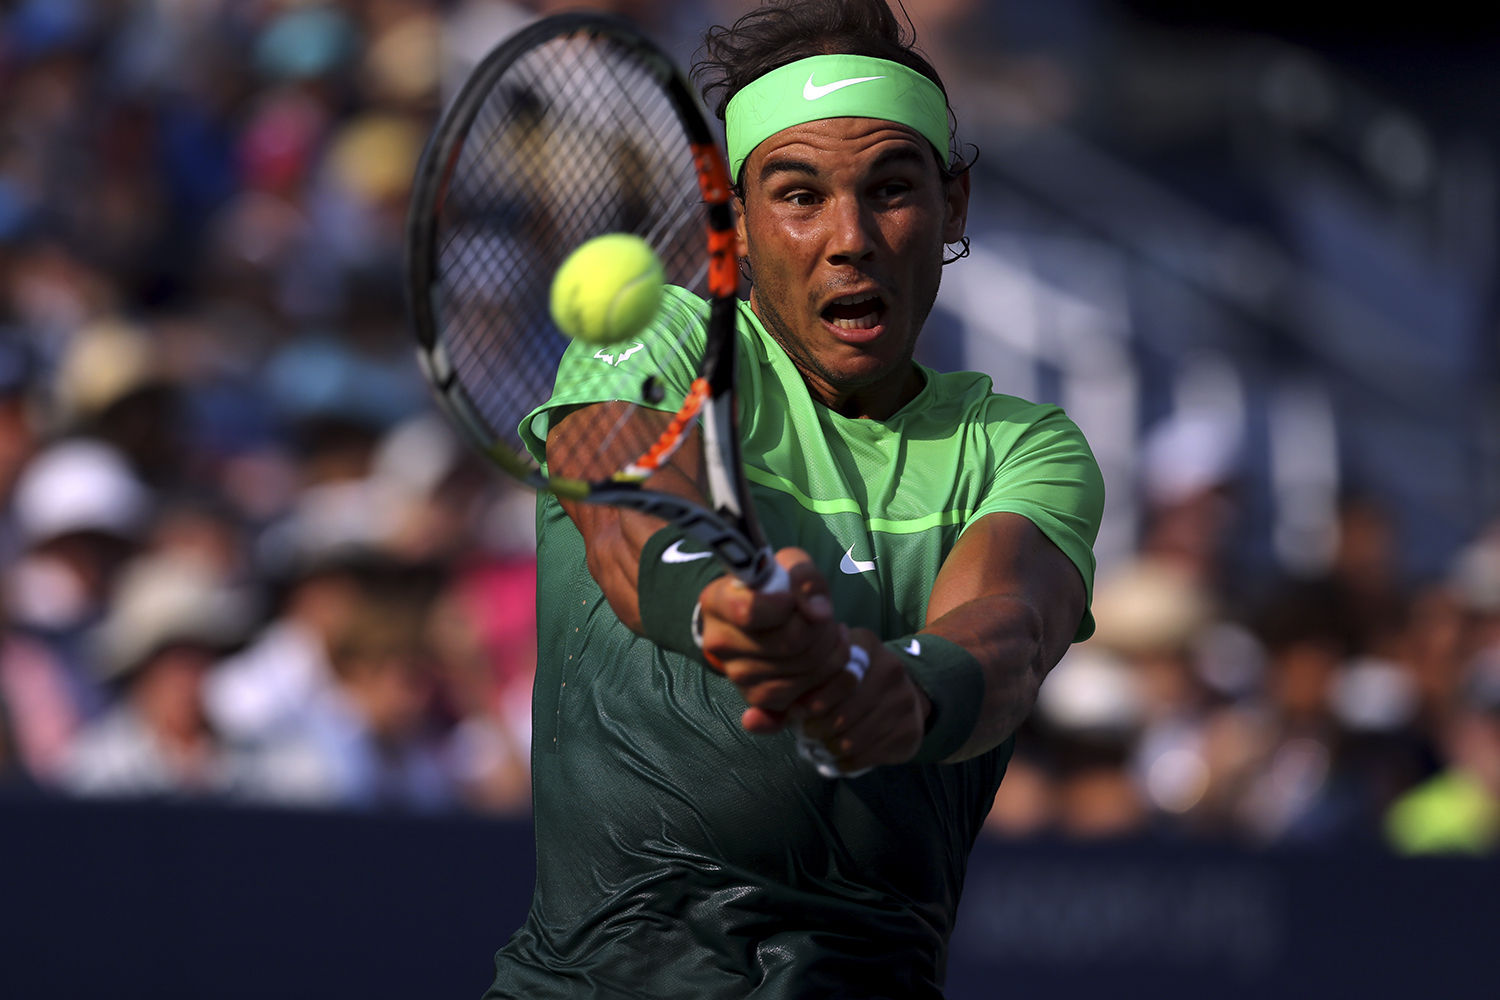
<point x="728" y="527"/>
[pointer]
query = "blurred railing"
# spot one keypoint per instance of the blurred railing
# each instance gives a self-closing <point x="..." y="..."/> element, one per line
<point x="1343" y="336"/>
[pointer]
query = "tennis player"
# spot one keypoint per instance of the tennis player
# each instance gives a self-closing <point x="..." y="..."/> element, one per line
<point x="684" y="849"/>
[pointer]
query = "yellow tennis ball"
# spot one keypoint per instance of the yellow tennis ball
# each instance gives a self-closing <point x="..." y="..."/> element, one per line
<point x="608" y="289"/>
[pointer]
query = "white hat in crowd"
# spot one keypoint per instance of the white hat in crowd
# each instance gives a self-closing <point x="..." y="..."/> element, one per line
<point x="162" y="601"/>
<point x="79" y="485"/>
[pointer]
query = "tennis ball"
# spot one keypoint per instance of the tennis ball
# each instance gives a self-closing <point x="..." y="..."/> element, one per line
<point x="608" y="289"/>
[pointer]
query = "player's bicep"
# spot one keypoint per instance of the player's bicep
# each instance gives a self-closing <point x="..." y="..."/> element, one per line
<point x="1005" y="555"/>
<point x="1050" y="480"/>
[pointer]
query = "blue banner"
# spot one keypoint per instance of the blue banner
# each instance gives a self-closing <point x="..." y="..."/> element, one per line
<point x="161" y="902"/>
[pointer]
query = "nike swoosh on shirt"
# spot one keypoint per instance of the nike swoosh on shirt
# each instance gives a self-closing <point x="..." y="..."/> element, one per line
<point x="853" y="566"/>
<point x="812" y="92"/>
<point x="914" y="648"/>
<point x="674" y="554"/>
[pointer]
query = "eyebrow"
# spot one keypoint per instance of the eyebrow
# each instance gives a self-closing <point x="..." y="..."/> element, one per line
<point x="901" y="154"/>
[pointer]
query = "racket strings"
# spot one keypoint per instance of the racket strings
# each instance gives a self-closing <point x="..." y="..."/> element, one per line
<point x="577" y="138"/>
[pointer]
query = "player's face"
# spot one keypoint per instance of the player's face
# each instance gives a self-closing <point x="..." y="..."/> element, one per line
<point x="844" y="222"/>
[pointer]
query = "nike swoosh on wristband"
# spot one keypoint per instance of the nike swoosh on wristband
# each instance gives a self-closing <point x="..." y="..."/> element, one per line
<point x="914" y="648"/>
<point x="853" y="566"/>
<point x="812" y="92"/>
<point x="674" y="554"/>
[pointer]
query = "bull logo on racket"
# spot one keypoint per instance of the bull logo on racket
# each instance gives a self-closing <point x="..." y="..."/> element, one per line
<point x="618" y="359"/>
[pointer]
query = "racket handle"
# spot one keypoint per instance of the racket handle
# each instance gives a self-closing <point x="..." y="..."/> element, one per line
<point x="778" y="582"/>
<point x="813" y="751"/>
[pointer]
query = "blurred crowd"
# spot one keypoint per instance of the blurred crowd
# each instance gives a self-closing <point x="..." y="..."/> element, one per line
<point x="243" y="558"/>
<point x="1342" y="706"/>
<point x="241" y="555"/>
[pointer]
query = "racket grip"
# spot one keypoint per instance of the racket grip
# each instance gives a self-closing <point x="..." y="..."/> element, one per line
<point x="778" y="582"/>
<point x="813" y="751"/>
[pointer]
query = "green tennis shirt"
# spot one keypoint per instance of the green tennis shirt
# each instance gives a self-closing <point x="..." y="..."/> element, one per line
<point x="678" y="855"/>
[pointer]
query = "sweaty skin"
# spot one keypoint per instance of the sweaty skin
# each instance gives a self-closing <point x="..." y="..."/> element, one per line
<point x="843" y="222"/>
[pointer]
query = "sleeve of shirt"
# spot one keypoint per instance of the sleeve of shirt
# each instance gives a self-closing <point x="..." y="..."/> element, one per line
<point x="1048" y="475"/>
<point x="668" y="350"/>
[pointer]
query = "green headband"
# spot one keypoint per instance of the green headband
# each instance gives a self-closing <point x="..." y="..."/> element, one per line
<point x="837" y="86"/>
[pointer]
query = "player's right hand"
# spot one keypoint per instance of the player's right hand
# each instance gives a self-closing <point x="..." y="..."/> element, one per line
<point x="775" y="647"/>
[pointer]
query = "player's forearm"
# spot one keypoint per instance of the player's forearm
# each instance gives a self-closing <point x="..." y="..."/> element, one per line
<point x="1015" y="649"/>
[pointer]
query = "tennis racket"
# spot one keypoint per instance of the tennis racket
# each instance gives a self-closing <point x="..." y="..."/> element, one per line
<point x="577" y="126"/>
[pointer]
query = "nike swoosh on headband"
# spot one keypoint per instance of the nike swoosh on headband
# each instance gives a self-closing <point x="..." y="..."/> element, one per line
<point x="674" y="554"/>
<point x="859" y="87"/>
<point x="812" y="92"/>
<point x="853" y="566"/>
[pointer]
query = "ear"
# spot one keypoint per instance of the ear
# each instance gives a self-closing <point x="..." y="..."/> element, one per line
<point x="741" y="243"/>
<point x="956" y="209"/>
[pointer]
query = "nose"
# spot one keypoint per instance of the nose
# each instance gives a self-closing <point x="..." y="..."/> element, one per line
<point x="851" y="232"/>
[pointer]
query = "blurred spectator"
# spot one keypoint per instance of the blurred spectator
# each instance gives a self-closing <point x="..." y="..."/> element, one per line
<point x="484" y="632"/>
<point x="20" y="426"/>
<point x="171" y="620"/>
<point x="1026" y="804"/>
<point x="470" y="29"/>
<point x="1458" y="809"/>
<point x="440" y="499"/>
<point x="1089" y="715"/>
<point x="1190" y="482"/>
<point x="366" y="739"/>
<point x="51" y="290"/>
<point x="1475" y="583"/>
<point x="38" y="710"/>
<point x="38" y="715"/>
<point x="1361" y="591"/>
<point x="320" y="555"/>
<point x="114" y="384"/>
<point x="1332" y="726"/>
<point x="79" y="513"/>
<point x="1367" y="578"/>
<point x="259" y="691"/>
<point x="201" y="528"/>
<point x="1154" y="616"/>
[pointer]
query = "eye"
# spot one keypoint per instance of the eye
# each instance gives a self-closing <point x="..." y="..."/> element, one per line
<point x="801" y="199"/>
<point x="892" y="189"/>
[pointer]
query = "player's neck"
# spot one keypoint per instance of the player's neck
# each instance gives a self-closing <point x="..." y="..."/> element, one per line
<point x="876" y="401"/>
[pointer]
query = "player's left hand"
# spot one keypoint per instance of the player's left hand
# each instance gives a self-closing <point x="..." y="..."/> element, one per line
<point x="880" y="719"/>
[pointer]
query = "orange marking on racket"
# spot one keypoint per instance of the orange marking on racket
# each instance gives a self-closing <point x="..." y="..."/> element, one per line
<point x="713" y="173"/>
<point x="671" y="439"/>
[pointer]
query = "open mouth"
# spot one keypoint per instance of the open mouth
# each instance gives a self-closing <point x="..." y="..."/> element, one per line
<point x="855" y="312"/>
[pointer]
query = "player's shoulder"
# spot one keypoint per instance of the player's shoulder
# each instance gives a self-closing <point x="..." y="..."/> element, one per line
<point x="964" y="405"/>
<point x="679" y="301"/>
<point x="681" y="314"/>
<point x="971" y="396"/>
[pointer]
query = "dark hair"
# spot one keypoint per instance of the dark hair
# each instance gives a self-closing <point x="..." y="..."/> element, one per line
<point x="782" y="31"/>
